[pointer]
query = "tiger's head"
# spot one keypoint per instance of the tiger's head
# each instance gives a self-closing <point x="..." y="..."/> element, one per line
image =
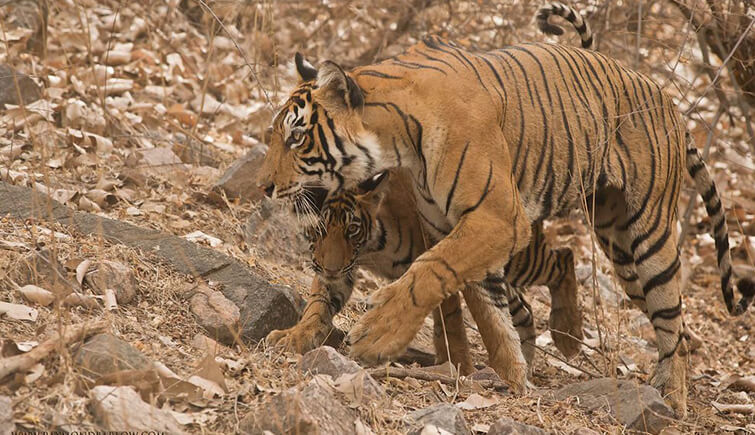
<point x="317" y="139"/>
<point x="348" y="226"/>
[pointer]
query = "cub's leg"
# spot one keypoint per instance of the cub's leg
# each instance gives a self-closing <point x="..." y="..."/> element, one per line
<point x="510" y="300"/>
<point x="316" y="325"/>
<point x="490" y="225"/>
<point x="497" y="331"/>
<point x="454" y="332"/>
<point x="652" y="245"/>
<point x="540" y="264"/>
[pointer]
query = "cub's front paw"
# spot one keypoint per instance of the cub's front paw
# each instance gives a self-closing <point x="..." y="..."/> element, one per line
<point x="388" y="328"/>
<point x="299" y="339"/>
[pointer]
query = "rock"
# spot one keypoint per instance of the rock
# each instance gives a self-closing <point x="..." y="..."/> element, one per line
<point x="106" y="353"/>
<point x="240" y="179"/>
<point x="216" y="314"/>
<point x="263" y="306"/>
<point x="28" y="88"/>
<point x="327" y="361"/>
<point x="42" y="268"/>
<point x="637" y="406"/>
<point x="208" y="345"/>
<point x="193" y="152"/>
<point x="360" y="387"/>
<point x="611" y="292"/>
<point x="443" y="415"/>
<point x="112" y="275"/>
<point x="507" y="426"/>
<point x="268" y="230"/>
<point x="6" y="415"/>
<point x="583" y="431"/>
<point x="311" y="410"/>
<point x="121" y="409"/>
<point x="486" y="374"/>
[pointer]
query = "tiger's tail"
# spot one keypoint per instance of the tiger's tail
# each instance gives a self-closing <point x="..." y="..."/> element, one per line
<point x="705" y="186"/>
<point x="571" y="15"/>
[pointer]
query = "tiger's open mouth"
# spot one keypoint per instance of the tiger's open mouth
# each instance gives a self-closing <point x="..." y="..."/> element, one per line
<point x="310" y="200"/>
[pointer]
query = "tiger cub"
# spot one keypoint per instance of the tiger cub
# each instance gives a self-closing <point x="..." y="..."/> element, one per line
<point x="375" y="227"/>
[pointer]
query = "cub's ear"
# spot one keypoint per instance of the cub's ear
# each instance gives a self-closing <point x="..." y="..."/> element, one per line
<point x="332" y="79"/>
<point x="305" y="69"/>
<point x="373" y="188"/>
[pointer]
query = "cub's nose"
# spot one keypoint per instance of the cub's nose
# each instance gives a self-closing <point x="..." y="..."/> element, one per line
<point x="268" y="190"/>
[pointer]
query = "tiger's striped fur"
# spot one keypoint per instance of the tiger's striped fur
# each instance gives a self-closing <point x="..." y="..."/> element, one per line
<point x="569" y="14"/>
<point x="373" y="228"/>
<point x="496" y="142"/>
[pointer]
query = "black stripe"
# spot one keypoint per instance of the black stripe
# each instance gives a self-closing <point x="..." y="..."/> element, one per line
<point x="456" y="177"/>
<point x="662" y="278"/>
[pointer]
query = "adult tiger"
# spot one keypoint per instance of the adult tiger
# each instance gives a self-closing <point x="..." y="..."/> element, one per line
<point x="372" y="227"/>
<point x="496" y="142"/>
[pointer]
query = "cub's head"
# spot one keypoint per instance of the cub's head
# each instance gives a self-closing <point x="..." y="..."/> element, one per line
<point x="348" y="226"/>
<point x="317" y="138"/>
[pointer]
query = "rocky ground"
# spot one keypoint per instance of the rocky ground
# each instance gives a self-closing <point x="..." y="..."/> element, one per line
<point x="139" y="267"/>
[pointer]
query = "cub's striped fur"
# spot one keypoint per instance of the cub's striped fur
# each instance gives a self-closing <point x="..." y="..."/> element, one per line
<point x="372" y="227"/>
<point x="495" y="143"/>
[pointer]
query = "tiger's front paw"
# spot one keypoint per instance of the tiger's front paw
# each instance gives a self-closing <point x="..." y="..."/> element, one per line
<point x="388" y="328"/>
<point x="299" y="339"/>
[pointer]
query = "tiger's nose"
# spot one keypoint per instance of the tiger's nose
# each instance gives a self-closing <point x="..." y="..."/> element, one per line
<point x="268" y="190"/>
<point x="331" y="273"/>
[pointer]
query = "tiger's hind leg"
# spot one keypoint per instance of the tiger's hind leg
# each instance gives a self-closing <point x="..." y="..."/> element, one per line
<point x="652" y="281"/>
<point x="448" y="324"/>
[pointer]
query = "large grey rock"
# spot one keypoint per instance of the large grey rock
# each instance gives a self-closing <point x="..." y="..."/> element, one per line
<point x="315" y="409"/>
<point x="327" y="361"/>
<point x="443" y="415"/>
<point x="216" y="314"/>
<point x="106" y="353"/>
<point x="6" y="415"/>
<point x="122" y="409"/>
<point x="507" y="426"/>
<point x="240" y="179"/>
<point x="637" y="406"/>
<point x="27" y="88"/>
<point x="263" y="306"/>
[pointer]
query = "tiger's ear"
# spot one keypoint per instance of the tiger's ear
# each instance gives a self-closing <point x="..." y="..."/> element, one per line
<point x="372" y="190"/>
<point x="333" y="80"/>
<point x="305" y="69"/>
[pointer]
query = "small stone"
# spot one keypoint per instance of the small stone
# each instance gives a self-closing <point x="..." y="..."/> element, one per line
<point x="486" y="374"/>
<point x="6" y="415"/>
<point x="583" y="431"/>
<point x="637" y="406"/>
<point x="106" y="353"/>
<point x="122" y="409"/>
<point x="507" y="426"/>
<point x="443" y="415"/>
<point x="325" y="360"/>
<point x="208" y="345"/>
<point x="216" y="314"/>
<point x="113" y="275"/>
<point x="360" y="387"/>
<point x="28" y="88"/>
<point x="240" y="180"/>
<point x="311" y="410"/>
<point x="42" y="268"/>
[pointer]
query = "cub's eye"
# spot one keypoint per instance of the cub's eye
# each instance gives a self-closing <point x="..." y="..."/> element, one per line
<point x="295" y="138"/>
<point x="352" y="230"/>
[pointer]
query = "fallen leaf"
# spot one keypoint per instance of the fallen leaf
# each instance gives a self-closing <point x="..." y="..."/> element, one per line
<point x="18" y="312"/>
<point x="198" y="236"/>
<point x="81" y="271"/>
<point x="111" y="304"/>
<point x="734" y="408"/>
<point x="38" y="295"/>
<point x="34" y="373"/>
<point x="476" y="401"/>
